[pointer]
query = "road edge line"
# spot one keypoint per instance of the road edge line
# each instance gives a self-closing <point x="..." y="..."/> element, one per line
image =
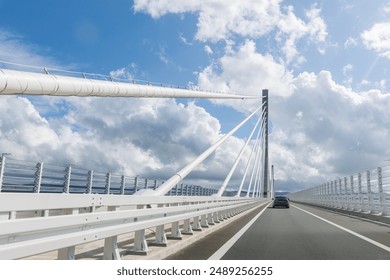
<point x="225" y="247"/>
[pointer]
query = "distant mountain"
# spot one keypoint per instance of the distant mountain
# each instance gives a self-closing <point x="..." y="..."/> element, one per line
<point x="281" y="193"/>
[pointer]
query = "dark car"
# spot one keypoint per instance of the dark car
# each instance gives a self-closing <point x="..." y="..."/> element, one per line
<point x="281" y="201"/>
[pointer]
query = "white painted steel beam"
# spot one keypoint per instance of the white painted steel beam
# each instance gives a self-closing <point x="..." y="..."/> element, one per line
<point x="29" y="83"/>
<point x="42" y="201"/>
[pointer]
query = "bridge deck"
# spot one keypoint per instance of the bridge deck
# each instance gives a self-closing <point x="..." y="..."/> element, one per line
<point x="295" y="234"/>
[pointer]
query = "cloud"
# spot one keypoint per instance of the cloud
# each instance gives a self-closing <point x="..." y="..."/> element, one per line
<point x="220" y="20"/>
<point x="321" y="141"/>
<point x="347" y="69"/>
<point x="350" y="42"/>
<point x="13" y="49"/>
<point x="125" y="73"/>
<point x="184" y="40"/>
<point x="317" y="128"/>
<point x="208" y="49"/>
<point x="386" y="8"/>
<point x="320" y="129"/>
<point x="347" y="72"/>
<point x="246" y="71"/>
<point x="293" y="29"/>
<point x="149" y="137"/>
<point x="378" y="39"/>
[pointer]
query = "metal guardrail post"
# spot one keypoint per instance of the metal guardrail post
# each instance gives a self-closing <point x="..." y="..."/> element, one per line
<point x="360" y="192"/>
<point x="89" y="182"/>
<point x="108" y="183"/>
<point x="369" y="192"/>
<point x="332" y="194"/>
<point x="68" y="172"/>
<point x="140" y="244"/>
<point x="196" y="224"/>
<point x="155" y="185"/>
<point x="381" y="194"/>
<point x="353" y="192"/>
<point x="136" y="184"/>
<point x="175" y="231"/>
<point x="340" y="195"/>
<point x="337" y="195"/>
<point x="123" y="184"/>
<point x="210" y="219"/>
<point x="203" y="221"/>
<point x="38" y="177"/>
<point x="2" y="167"/>
<point x="67" y="253"/>
<point x="187" y="229"/>
<point x="111" y="250"/>
<point x="215" y="217"/>
<point x="347" y="196"/>
<point x="161" y="237"/>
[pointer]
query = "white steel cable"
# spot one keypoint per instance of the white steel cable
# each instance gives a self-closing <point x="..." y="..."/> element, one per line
<point x="18" y="82"/>
<point x="249" y="160"/>
<point x="256" y="159"/>
<point x="176" y="178"/>
<point x="233" y="168"/>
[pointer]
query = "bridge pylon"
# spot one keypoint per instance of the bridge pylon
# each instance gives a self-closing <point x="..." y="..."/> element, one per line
<point x="266" y="185"/>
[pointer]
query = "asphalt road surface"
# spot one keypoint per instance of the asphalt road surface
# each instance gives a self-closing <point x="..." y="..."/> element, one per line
<point x="300" y="233"/>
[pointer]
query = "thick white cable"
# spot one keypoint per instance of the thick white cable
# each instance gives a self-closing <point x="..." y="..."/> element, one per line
<point x="233" y="168"/>
<point x="256" y="161"/>
<point x="176" y="178"/>
<point x="251" y="156"/>
<point x="260" y="174"/>
<point x="19" y="82"/>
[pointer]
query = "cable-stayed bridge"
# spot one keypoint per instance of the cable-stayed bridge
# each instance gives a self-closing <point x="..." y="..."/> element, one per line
<point x="63" y="209"/>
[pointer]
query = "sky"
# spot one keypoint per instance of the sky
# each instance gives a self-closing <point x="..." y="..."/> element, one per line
<point x="325" y="64"/>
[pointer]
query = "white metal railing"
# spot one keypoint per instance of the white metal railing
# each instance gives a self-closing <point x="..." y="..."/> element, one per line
<point x="33" y="223"/>
<point x="24" y="176"/>
<point x="367" y="192"/>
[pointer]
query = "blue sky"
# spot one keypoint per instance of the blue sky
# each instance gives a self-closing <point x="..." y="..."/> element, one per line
<point x="326" y="64"/>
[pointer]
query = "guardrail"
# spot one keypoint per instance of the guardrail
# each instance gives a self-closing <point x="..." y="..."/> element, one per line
<point x="366" y="192"/>
<point x="32" y="223"/>
<point x="32" y="177"/>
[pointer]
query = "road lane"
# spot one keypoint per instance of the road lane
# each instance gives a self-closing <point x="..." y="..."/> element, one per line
<point x="204" y="248"/>
<point x="293" y="234"/>
<point x="377" y="228"/>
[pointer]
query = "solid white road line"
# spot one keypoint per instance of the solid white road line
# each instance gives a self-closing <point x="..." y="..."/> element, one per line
<point x="222" y="251"/>
<point x="380" y="245"/>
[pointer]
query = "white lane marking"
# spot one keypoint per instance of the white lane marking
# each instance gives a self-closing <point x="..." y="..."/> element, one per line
<point x="225" y="247"/>
<point x="380" y="245"/>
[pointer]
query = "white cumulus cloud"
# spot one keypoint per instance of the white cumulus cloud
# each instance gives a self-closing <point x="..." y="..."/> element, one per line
<point x="378" y="39"/>
<point x="316" y="122"/>
<point x="220" y="20"/>
<point x="247" y="71"/>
